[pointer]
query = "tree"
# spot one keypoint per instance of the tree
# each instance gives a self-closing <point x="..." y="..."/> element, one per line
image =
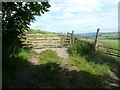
<point x="16" y="16"/>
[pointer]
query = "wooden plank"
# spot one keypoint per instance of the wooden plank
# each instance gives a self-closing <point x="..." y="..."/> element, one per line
<point x="39" y="39"/>
<point x="45" y="38"/>
<point x="108" y="47"/>
<point x="40" y="46"/>
<point x="26" y="36"/>
<point x="46" y="47"/>
<point x="43" y="47"/>
<point x="109" y="53"/>
<point x="42" y="34"/>
<point x="42" y="41"/>
<point x="66" y="43"/>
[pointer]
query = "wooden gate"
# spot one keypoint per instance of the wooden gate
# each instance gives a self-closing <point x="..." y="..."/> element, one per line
<point x="37" y="40"/>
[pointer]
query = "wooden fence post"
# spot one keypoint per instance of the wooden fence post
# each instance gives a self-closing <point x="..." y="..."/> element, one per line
<point x="96" y="39"/>
<point x="72" y="37"/>
<point x="64" y="40"/>
<point x="61" y="40"/>
<point x="86" y="39"/>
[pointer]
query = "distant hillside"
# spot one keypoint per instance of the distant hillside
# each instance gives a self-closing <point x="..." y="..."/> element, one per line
<point x="32" y="31"/>
<point x="114" y="35"/>
<point x="101" y="34"/>
<point x="89" y="35"/>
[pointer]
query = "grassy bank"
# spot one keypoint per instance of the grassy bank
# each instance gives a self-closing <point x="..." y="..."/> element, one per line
<point x="13" y="64"/>
<point x="96" y="64"/>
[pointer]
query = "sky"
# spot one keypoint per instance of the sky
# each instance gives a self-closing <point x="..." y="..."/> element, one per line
<point x="80" y="16"/>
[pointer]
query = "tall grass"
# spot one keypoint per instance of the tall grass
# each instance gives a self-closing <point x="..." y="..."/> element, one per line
<point x="99" y="65"/>
<point x="80" y="48"/>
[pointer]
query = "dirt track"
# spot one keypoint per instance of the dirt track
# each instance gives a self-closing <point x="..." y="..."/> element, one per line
<point x="25" y="78"/>
<point x="72" y="77"/>
<point x="62" y="52"/>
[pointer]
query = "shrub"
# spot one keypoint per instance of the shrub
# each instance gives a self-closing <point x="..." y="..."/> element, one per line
<point x="72" y="49"/>
<point x="80" y="48"/>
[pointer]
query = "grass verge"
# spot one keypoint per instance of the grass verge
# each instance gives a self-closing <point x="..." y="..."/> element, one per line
<point x="96" y="64"/>
<point x="13" y="64"/>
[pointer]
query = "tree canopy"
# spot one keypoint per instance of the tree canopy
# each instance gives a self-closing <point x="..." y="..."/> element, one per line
<point x="16" y="16"/>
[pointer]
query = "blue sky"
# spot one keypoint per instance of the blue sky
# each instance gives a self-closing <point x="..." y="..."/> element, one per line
<point x="82" y="16"/>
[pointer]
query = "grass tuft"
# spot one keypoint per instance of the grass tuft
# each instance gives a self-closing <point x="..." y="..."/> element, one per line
<point x="49" y="56"/>
<point x="96" y="64"/>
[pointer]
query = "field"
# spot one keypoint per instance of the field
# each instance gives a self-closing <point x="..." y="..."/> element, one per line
<point x="113" y="43"/>
<point x="110" y="43"/>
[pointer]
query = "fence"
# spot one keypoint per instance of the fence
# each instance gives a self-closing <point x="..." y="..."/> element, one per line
<point x="63" y="40"/>
<point x="37" y="40"/>
<point x="98" y="47"/>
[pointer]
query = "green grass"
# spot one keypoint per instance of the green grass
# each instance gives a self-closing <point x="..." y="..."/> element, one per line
<point x="109" y="43"/>
<point x="49" y="56"/>
<point x="13" y="64"/>
<point x="48" y="74"/>
<point x="96" y="64"/>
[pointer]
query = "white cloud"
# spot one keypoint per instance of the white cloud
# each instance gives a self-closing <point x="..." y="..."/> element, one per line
<point x="78" y="9"/>
<point x="79" y="15"/>
<point x="65" y="16"/>
<point x="39" y="25"/>
<point x="109" y="2"/>
<point x="82" y="5"/>
<point x="55" y="7"/>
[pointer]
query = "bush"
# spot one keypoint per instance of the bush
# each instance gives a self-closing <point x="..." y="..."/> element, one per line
<point x="80" y="48"/>
<point x="72" y="49"/>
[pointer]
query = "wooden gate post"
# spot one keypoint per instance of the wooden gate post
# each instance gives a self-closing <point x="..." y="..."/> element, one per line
<point x="61" y="40"/>
<point x="72" y="37"/>
<point x="64" y="39"/>
<point x="86" y="39"/>
<point x="96" y="39"/>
